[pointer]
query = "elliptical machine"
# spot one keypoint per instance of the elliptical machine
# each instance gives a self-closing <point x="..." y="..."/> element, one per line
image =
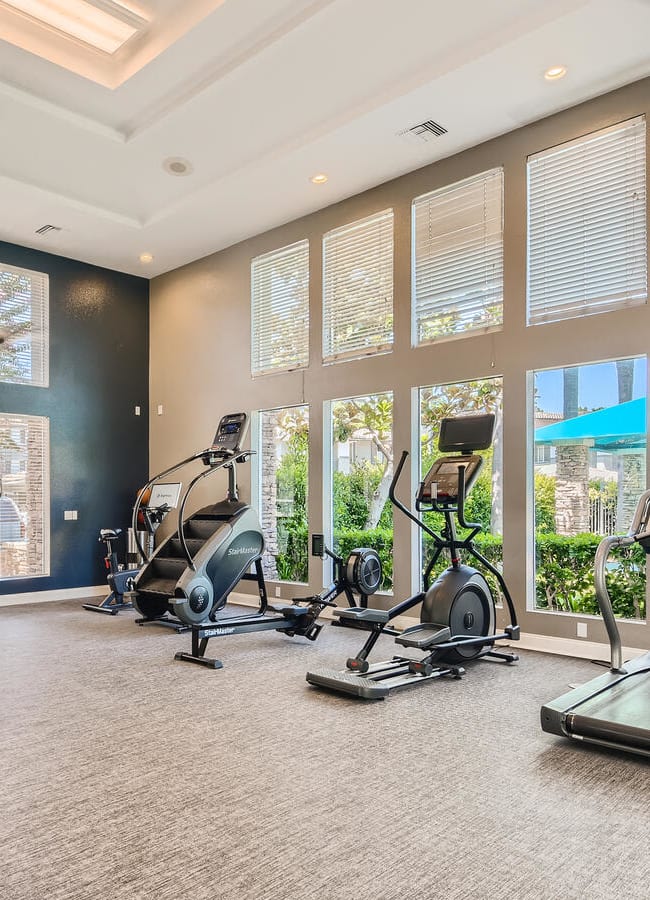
<point x="457" y="620"/>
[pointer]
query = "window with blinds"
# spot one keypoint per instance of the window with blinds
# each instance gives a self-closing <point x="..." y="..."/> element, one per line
<point x="280" y="310"/>
<point x="24" y="496"/>
<point x="24" y="349"/>
<point x="458" y="258"/>
<point x="587" y="245"/>
<point x="358" y="288"/>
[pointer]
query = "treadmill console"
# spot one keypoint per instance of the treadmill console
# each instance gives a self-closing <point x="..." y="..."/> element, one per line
<point x="230" y="434"/>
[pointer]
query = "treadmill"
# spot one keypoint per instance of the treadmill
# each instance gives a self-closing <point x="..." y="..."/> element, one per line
<point x="612" y="710"/>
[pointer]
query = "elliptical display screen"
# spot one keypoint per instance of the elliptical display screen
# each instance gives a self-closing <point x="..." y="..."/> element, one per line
<point x="464" y="434"/>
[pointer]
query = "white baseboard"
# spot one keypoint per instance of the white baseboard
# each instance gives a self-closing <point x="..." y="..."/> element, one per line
<point x="540" y="642"/>
<point x="573" y="647"/>
<point x="80" y="593"/>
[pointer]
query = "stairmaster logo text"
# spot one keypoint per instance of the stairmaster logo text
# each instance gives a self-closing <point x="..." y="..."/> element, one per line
<point x="239" y="551"/>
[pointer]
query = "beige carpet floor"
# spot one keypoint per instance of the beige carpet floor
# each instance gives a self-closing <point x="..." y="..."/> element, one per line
<point x="128" y="775"/>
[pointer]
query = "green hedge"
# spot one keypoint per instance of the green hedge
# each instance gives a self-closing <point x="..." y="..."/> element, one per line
<point x="564" y="567"/>
<point x="565" y="576"/>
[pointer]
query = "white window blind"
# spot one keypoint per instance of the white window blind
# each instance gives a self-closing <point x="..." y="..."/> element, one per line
<point x="24" y="496"/>
<point x="24" y="326"/>
<point x="358" y="288"/>
<point x="587" y="246"/>
<point x="280" y="309"/>
<point x="458" y="258"/>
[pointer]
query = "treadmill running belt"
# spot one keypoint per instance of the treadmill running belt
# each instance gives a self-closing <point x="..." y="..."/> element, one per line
<point x="621" y="714"/>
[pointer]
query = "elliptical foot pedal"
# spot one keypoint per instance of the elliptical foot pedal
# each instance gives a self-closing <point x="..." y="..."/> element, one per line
<point x="347" y="683"/>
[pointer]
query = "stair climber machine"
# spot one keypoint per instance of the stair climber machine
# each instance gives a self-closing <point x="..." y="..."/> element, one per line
<point x="612" y="710"/>
<point x="458" y="617"/>
<point x="186" y="582"/>
<point x="357" y="578"/>
<point x="189" y="576"/>
<point x="121" y="578"/>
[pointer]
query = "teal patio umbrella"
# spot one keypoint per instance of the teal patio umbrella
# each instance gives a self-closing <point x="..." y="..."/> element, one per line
<point x="615" y="428"/>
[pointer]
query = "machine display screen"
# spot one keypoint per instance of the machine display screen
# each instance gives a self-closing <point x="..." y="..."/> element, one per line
<point x="464" y="434"/>
<point x="231" y="431"/>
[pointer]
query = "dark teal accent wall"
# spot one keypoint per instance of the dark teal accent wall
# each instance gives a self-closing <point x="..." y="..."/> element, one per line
<point x="99" y="371"/>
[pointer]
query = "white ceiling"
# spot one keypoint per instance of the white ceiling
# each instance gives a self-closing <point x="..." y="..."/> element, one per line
<point x="261" y="94"/>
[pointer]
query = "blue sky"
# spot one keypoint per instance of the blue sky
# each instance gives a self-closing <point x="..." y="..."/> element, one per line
<point x="597" y="386"/>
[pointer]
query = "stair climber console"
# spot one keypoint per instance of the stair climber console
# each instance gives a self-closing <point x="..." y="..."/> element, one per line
<point x="189" y="576"/>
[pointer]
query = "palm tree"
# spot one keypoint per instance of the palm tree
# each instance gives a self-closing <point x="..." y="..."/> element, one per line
<point x="572" y="472"/>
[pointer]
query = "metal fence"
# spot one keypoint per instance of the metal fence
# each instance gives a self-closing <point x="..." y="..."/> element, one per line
<point x="602" y="517"/>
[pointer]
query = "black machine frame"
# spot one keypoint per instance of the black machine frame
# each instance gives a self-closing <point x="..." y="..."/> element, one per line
<point x="298" y="618"/>
<point x="445" y="650"/>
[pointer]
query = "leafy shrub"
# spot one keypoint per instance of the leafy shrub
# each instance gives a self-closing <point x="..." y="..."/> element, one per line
<point x="565" y="576"/>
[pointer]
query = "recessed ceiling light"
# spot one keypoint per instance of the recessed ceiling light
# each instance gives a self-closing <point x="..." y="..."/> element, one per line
<point x="318" y="179"/>
<point x="554" y="73"/>
<point x="146" y="258"/>
<point x="105" y="26"/>
<point x="176" y="165"/>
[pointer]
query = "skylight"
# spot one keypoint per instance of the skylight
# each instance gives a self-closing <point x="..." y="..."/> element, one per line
<point x="106" y="28"/>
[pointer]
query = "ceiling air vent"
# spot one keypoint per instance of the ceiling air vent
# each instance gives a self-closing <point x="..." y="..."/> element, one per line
<point x="423" y="133"/>
<point x="45" y="229"/>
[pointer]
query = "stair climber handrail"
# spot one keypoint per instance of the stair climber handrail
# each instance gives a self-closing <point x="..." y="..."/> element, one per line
<point x="138" y="503"/>
<point x="238" y="456"/>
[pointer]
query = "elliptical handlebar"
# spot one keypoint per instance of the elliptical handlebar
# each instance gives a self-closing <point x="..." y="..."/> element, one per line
<point x="460" y="506"/>
<point x="391" y="490"/>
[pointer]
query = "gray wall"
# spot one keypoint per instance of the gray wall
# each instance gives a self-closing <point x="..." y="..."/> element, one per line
<point x="200" y="340"/>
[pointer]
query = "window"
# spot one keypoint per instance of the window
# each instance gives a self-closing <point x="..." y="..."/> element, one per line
<point x="358" y="288"/>
<point x="592" y="420"/>
<point x="362" y="469"/>
<point x="284" y="457"/>
<point x="24" y="496"/>
<point x="587" y="225"/>
<point x="280" y="310"/>
<point x="485" y="501"/>
<point x="24" y="326"/>
<point x="458" y="258"/>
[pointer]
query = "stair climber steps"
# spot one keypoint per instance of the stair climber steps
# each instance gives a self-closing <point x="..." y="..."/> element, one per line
<point x="174" y="549"/>
<point x="201" y="529"/>
<point x="157" y="588"/>
<point x="168" y="567"/>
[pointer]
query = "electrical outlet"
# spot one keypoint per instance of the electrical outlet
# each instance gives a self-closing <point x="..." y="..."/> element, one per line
<point x="581" y="629"/>
<point x="278" y="591"/>
<point x="70" y="515"/>
<point x="137" y="410"/>
<point x="160" y="409"/>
